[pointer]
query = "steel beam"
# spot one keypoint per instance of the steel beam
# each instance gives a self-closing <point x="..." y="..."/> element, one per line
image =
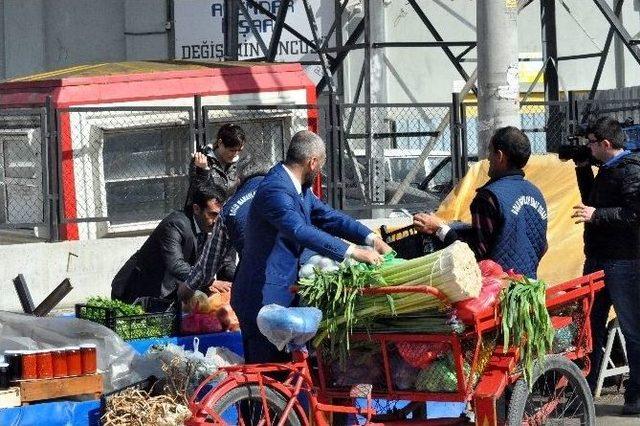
<point x="339" y="59"/>
<point x="434" y="32"/>
<point x="277" y="30"/>
<point x="254" y="31"/>
<point x="611" y="16"/>
<point x="231" y="16"/>
<point x="604" y="54"/>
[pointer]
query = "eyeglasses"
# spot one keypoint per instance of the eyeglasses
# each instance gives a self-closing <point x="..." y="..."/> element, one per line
<point x="590" y="141"/>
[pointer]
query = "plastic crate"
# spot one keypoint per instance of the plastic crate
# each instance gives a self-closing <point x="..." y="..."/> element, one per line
<point x="408" y="243"/>
<point x="131" y="327"/>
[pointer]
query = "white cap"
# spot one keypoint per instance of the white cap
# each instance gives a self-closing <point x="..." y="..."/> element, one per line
<point x="88" y="346"/>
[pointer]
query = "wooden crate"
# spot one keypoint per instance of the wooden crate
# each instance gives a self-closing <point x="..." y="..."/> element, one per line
<point x="38" y="390"/>
<point x="10" y="397"/>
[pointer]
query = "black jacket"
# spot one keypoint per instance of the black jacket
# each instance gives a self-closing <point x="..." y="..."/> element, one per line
<point x="614" y="230"/>
<point x="165" y="259"/>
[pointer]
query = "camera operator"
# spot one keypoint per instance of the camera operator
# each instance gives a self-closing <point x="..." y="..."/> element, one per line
<point x="610" y="211"/>
<point x="217" y="165"/>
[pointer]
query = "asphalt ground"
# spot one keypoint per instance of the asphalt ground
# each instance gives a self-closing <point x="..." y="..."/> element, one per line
<point x="609" y="409"/>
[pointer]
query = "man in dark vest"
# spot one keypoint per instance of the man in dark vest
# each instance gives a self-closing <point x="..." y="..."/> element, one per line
<point x="509" y="214"/>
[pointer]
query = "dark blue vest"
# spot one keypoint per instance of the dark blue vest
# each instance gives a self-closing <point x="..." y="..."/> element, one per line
<point x="522" y="240"/>
<point x="235" y="211"/>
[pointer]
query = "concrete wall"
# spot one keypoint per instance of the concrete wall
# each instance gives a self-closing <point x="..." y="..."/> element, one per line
<point x="43" y="35"/>
<point x="90" y="266"/>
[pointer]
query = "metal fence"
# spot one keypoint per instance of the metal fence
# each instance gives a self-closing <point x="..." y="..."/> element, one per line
<point x="390" y="155"/>
<point x="545" y="123"/>
<point x="121" y="165"/>
<point x="24" y="160"/>
<point x="93" y="172"/>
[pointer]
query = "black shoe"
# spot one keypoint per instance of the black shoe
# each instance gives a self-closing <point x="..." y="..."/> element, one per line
<point x="631" y="408"/>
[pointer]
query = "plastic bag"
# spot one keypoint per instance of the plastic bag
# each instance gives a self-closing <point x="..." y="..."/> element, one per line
<point x="420" y="355"/>
<point x="282" y="326"/>
<point x="115" y="356"/>
<point x="491" y="288"/>
<point x="489" y="268"/>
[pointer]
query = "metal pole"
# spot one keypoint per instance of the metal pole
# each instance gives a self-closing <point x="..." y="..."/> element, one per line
<point x="53" y="172"/>
<point x="618" y="49"/>
<point x="197" y="109"/>
<point x="231" y="17"/>
<point x="498" y="83"/>
<point x="550" y="59"/>
<point x="549" y="49"/>
<point x="456" y="144"/>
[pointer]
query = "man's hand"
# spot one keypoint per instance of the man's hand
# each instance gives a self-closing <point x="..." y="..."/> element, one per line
<point x="366" y="255"/>
<point x="217" y="286"/>
<point x="200" y="160"/>
<point x="185" y="293"/>
<point x="380" y="246"/>
<point x="583" y="213"/>
<point x="427" y="223"/>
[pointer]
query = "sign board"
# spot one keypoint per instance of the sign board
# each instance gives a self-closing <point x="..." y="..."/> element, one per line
<point x="199" y="31"/>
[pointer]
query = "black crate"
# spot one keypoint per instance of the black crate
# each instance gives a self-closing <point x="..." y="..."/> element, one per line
<point x="408" y="243"/>
<point x="131" y="327"/>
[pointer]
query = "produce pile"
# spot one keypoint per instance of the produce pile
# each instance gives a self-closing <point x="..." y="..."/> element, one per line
<point x="526" y="322"/>
<point x="337" y="290"/>
<point x="338" y="294"/>
<point x="209" y="314"/>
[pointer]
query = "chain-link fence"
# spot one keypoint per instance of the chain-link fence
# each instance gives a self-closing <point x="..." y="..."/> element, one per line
<point x="121" y="167"/>
<point x="104" y="171"/>
<point x="545" y="123"/>
<point x="24" y="169"/>
<point x="395" y="155"/>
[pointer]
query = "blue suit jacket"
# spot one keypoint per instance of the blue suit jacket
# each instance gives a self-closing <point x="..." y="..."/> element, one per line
<point x="280" y="225"/>
<point x="236" y="209"/>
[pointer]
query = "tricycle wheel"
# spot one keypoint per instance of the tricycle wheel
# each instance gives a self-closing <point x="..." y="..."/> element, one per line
<point x="560" y="395"/>
<point x="243" y="405"/>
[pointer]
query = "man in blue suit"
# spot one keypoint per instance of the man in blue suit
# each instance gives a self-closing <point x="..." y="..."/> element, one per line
<point x="285" y="217"/>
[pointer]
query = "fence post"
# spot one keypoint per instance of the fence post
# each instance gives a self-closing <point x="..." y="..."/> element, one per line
<point x="197" y="109"/>
<point x="50" y="132"/>
<point x="456" y="143"/>
<point x="335" y="185"/>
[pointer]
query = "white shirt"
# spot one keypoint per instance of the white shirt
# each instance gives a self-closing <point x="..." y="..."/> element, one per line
<point x="298" y="185"/>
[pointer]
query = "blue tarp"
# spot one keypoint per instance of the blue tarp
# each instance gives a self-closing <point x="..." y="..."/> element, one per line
<point x="64" y="413"/>
<point x="70" y="413"/>
<point x="230" y="340"/>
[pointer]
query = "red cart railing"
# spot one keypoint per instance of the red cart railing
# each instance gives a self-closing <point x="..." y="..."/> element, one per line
<point x="305" y="392"/>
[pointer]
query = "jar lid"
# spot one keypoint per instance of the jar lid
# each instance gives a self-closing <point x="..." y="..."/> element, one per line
<point x="72" y="348"/>
<point x="88" y="346"/>
<point x="12" y="351"/>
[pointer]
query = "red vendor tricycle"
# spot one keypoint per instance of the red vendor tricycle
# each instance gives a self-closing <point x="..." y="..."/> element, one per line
<point x="488" y="379"/>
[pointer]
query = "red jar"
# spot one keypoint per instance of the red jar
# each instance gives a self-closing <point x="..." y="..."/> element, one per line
<point x="29" y="367"/>
<point x="89" y="358"/>
<point x="74" y="361"/>
<point x="44" y="364"/>
<point x="59" y="363"/>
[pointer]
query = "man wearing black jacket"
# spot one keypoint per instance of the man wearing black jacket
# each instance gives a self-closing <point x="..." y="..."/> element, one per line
<point x="610" y="211"/>
<point x="168" y="255"/>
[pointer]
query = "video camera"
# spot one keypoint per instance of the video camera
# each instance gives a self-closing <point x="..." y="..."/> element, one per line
<point x="208" y="151"/>
<point x="577" y="148"/>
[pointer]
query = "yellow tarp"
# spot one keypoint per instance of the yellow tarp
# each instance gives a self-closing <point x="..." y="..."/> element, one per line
<point x="557" y="181"/>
